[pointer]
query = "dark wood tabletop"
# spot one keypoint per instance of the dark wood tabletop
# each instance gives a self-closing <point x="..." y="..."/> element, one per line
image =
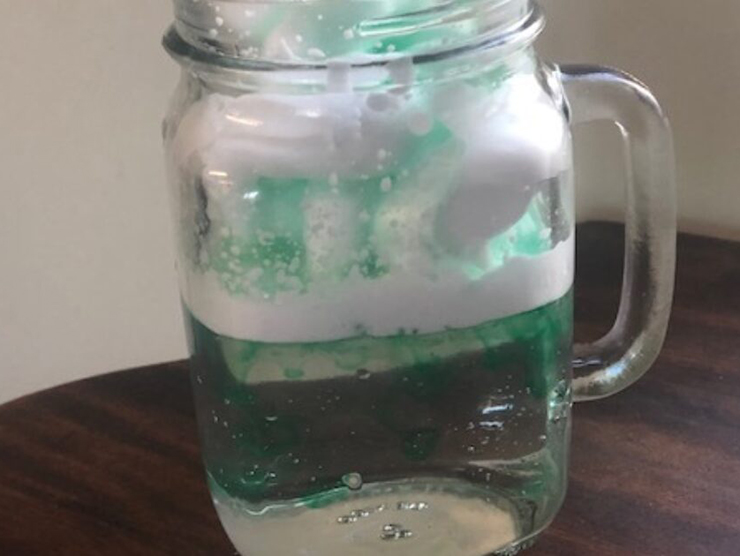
<point x="110" y="465"/>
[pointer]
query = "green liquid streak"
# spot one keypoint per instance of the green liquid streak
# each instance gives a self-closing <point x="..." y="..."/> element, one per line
<point x="266" y="411"/>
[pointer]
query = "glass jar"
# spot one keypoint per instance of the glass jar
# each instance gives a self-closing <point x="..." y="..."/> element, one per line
<point x="374" y="208"/>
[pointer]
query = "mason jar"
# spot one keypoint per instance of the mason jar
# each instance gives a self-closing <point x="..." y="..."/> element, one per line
<point x="373" y="203"/>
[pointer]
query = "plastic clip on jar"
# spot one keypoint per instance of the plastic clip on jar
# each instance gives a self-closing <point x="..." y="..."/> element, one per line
<point x="374" y="209"/>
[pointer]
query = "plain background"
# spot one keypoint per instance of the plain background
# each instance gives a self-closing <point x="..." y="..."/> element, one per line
<point x="87" y="280"/>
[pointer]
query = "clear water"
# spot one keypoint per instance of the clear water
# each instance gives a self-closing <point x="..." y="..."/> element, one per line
<point x="451" y="443"/>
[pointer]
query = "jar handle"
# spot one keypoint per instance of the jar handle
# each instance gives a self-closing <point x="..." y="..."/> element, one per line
<point x="620" y="358"/>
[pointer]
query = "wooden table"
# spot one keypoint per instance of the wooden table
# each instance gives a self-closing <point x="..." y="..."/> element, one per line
<point x="110" y="465"/>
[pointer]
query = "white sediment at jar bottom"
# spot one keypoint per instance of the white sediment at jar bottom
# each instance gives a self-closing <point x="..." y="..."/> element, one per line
<point x="440" y="523"/>
<point x="384" y="306"/>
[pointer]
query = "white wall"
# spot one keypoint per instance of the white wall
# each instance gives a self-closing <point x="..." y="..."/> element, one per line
<point x="86" y="267"/>
<point x="689" y="54"/>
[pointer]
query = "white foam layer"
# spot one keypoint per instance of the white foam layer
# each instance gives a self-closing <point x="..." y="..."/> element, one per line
<point x="382" y="306"/>
<point x="492" y="151"/>
<point x="512" y="137"/>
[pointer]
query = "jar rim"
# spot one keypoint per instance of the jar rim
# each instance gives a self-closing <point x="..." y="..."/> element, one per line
<point x="450" y="29"/>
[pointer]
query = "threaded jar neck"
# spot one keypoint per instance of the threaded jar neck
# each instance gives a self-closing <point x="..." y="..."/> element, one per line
<point x="315" y="32"/>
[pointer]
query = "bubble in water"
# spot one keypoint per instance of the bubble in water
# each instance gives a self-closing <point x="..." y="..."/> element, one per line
<point x="560" y="402"/>
<point x="492" y="425"/>
<point x="353" y="481"/>
<point x="363" y="374"/>
<point x="356" y="515"/>
<point x="395" y="532"/>
<point x="412" y="506"/>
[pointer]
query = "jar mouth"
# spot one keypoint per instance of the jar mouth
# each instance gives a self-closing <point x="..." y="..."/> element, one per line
<point x="275" y="34"/>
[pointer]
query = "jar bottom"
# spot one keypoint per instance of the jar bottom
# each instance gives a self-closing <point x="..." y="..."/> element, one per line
<point x="412" y="517"/>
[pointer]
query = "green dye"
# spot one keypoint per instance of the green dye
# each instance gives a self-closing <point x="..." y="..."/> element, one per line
<point x="288" y="421"/>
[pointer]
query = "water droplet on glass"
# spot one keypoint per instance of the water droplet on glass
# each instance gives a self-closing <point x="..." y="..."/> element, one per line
<point x="346" y="519"/>
<point x="353" y="481"/>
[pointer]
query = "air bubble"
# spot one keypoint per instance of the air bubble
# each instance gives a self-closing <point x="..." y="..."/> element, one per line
<point x="412" y="506"/>
<point x="395" y="532"/>
<point x="352" y="481"/>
